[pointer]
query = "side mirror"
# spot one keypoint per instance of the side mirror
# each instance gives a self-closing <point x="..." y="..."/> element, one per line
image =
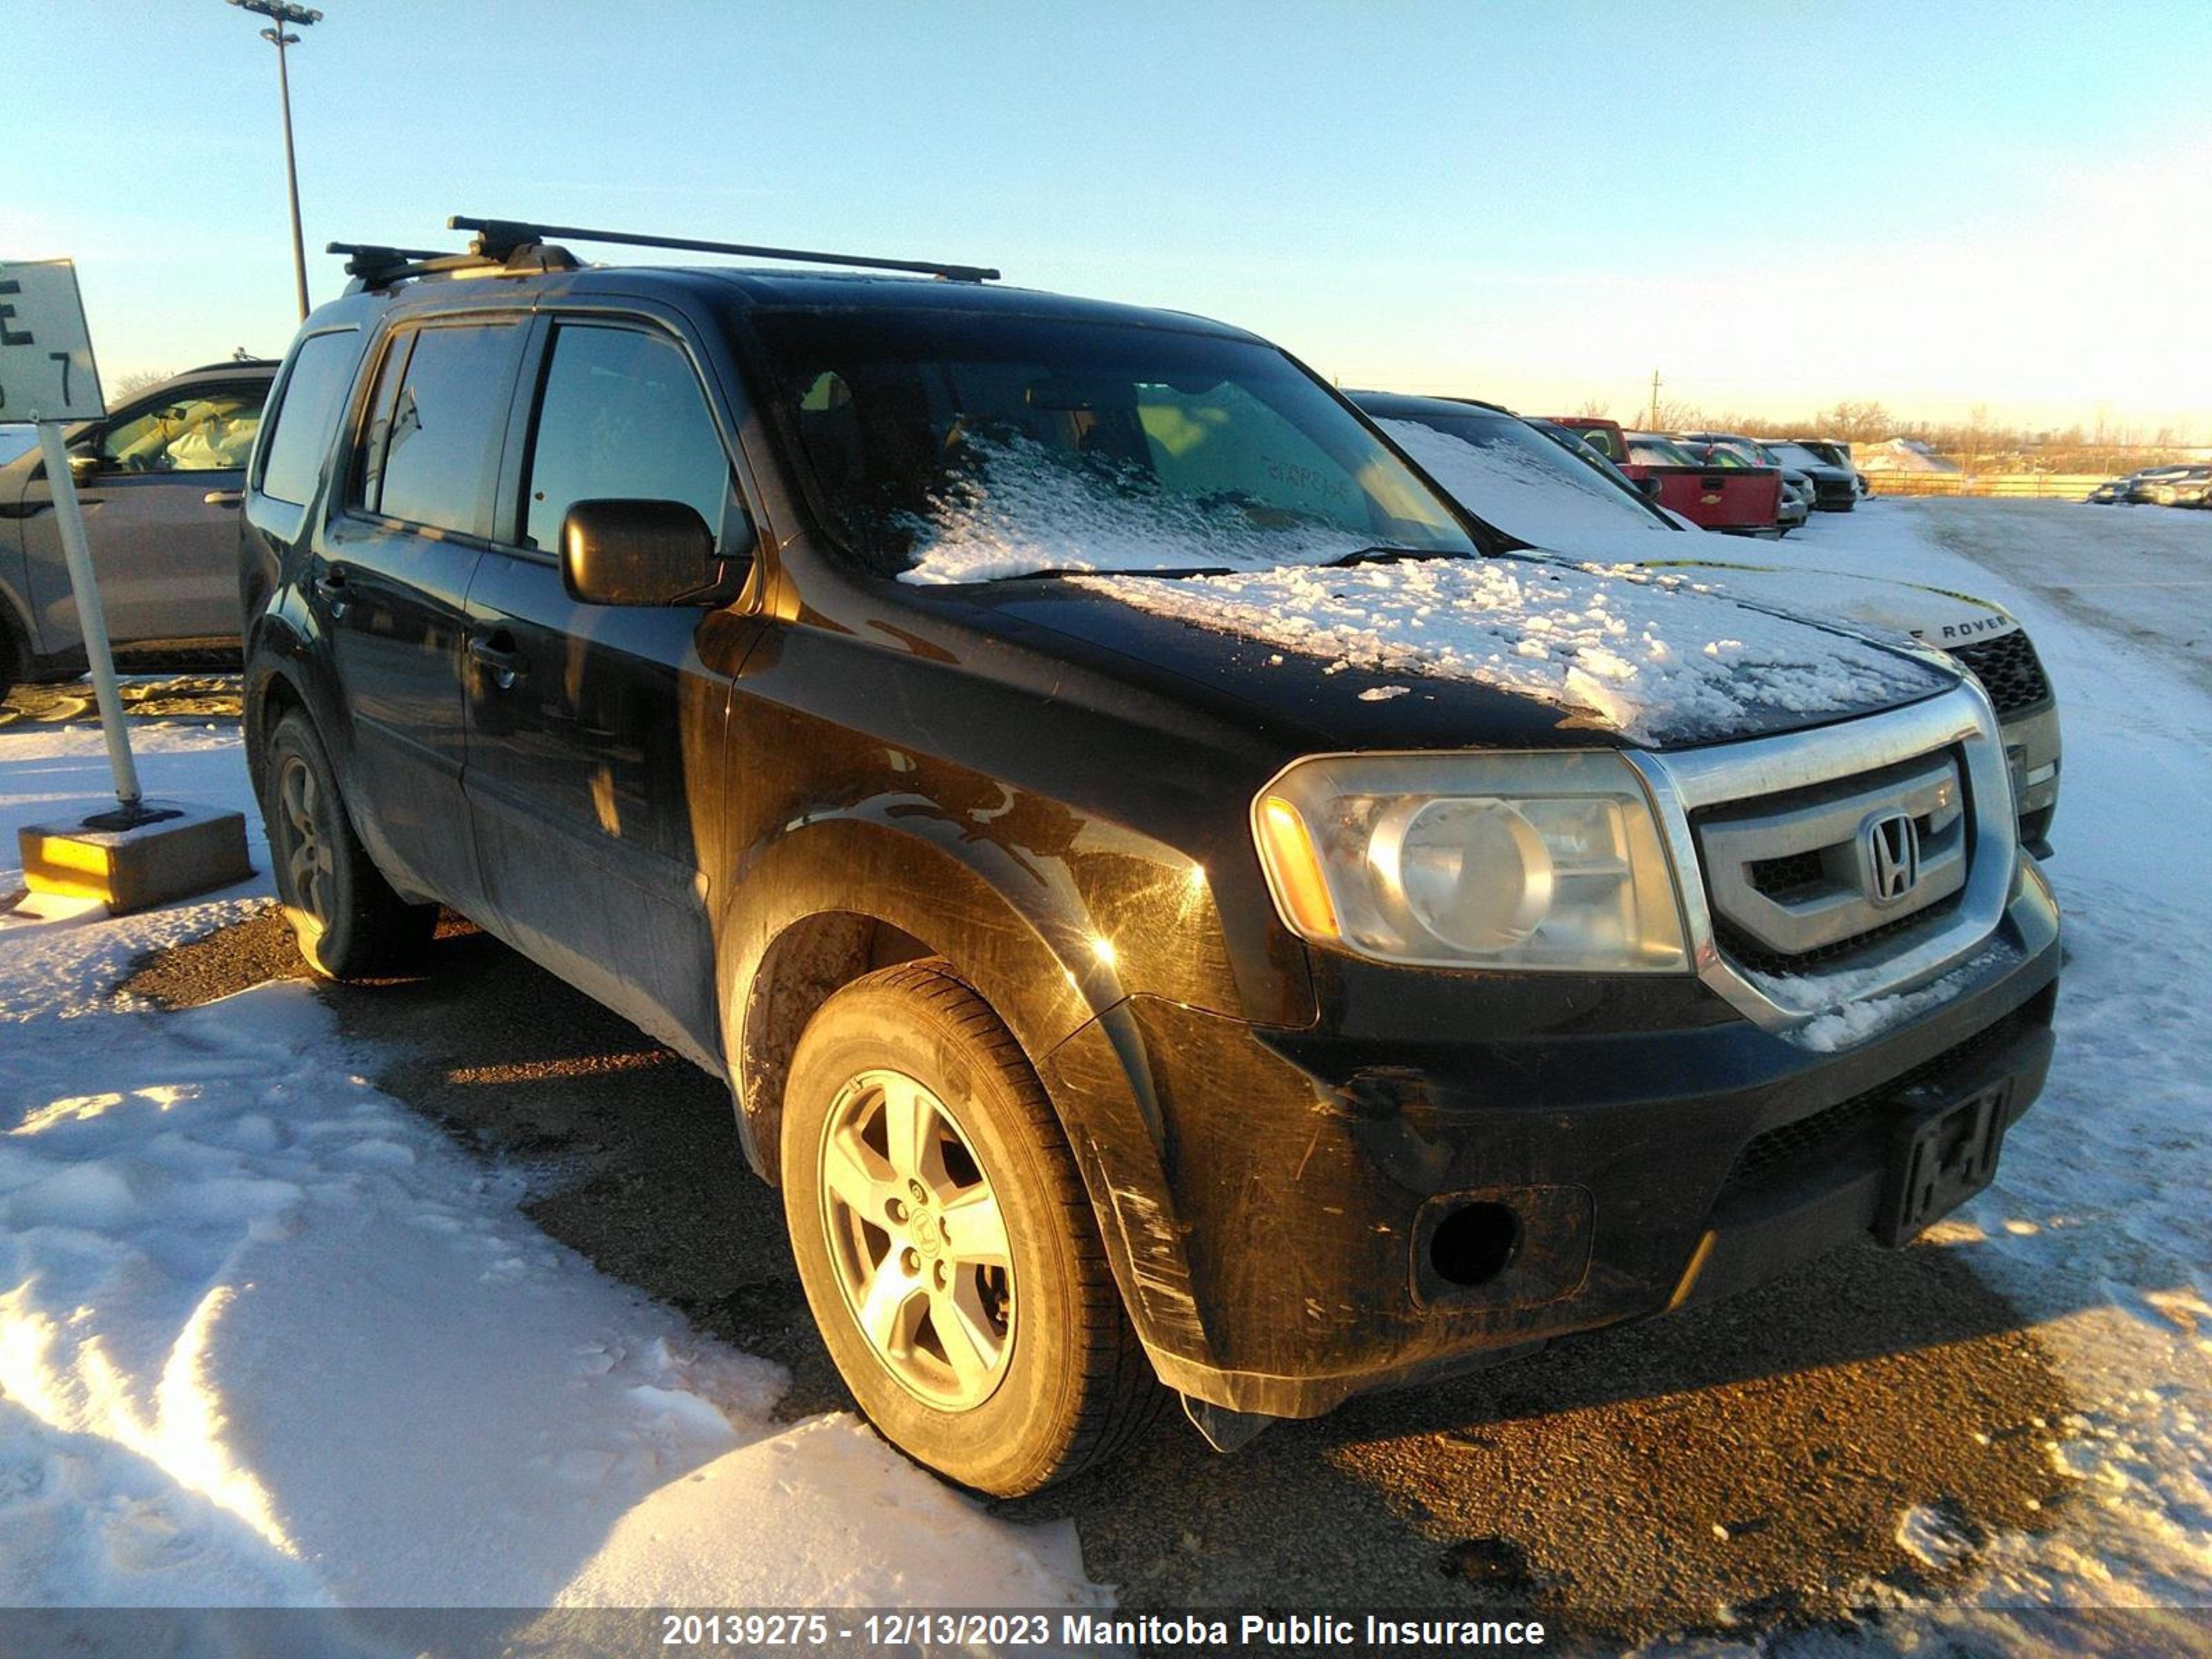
<point x="84" y="465"/>
<point x="1648" y="487"/>
<point x="630" y="552"/>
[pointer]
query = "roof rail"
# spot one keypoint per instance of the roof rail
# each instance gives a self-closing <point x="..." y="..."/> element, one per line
<point x="497" y="239"/>
<point x="374" y="266"/>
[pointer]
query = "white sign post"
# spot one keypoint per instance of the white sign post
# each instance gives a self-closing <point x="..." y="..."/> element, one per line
<point x="48" y="376"/>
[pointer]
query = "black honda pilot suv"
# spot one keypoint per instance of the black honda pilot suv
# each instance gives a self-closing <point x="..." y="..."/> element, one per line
<point x="1176" y="900"/>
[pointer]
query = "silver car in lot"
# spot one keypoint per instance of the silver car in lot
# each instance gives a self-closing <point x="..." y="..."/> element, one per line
<point x="161" y="478"/>
<point x="2190" y="487"/>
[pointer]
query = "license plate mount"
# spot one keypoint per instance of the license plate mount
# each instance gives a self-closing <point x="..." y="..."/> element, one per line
<point x="1939" y="1158"/>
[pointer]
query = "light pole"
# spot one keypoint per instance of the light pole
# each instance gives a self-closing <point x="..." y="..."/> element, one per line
<point x="281" y="13"/>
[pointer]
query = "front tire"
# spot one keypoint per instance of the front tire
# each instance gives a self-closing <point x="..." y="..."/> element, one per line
<point x="349" y="923"/>
<point x="946" y="1243"/>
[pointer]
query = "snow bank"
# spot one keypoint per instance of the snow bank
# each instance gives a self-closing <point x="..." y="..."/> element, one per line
<point x="1646" y="654"/>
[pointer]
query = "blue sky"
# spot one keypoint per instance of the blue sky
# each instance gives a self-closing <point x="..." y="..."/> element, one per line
<point x="1775" y="206"/>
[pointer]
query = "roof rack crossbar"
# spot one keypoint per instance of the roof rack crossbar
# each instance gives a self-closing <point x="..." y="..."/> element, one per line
<point x="497" y="238"/>
<point x="386" y="254"/>
<point x="373" y="266"/>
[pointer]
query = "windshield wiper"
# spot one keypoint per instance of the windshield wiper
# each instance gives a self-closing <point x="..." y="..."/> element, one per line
<point x="1388" y="556"/>
<point x="1078" y="570"/>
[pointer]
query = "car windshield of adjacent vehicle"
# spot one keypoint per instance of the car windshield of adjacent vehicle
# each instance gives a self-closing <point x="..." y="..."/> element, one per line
<point x="1659" y="452"/>
<point x="965" y="446"/>
<point x="1796" y="455"/>
<point x="1512" y="476"/>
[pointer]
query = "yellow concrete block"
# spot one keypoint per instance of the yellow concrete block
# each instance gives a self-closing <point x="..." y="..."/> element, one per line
<point x="196" y="851"/>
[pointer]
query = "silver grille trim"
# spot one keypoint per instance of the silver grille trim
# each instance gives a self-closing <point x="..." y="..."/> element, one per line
<point x="1728" y="780"/>
<point x="1828" y="827"/>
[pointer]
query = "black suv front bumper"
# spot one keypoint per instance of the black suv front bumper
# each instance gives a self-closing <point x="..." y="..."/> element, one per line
<point x="1339" y="1212"/>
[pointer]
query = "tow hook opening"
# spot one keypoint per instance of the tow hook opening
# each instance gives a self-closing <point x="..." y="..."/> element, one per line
<point x="1475" y="1244"/>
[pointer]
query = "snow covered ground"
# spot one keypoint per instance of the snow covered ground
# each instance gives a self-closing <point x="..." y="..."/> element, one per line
<point x="2099" y="1224"/>
<point x="266" y="1336"/>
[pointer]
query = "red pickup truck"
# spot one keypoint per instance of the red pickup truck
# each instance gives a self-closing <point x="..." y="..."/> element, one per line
<point x="1744" y="499"/>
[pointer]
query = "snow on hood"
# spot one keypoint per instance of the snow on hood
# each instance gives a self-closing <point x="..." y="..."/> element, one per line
<point x="1932" y="615"/>
<point x="1642" y="653"/>
<point x="1505" y="487"/>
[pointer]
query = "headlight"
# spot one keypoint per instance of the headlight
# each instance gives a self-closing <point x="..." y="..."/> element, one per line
<point x="1523" y="861"/>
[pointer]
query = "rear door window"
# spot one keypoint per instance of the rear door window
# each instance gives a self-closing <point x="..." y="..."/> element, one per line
<point x="432" y="441"/>
<point x="623" y="417"/>
<point x="292" y="456"/>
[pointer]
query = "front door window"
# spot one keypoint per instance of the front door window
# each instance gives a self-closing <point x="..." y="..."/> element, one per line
<point x="199" y="432"/>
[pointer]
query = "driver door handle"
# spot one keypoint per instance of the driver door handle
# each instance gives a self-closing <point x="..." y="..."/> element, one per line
<point x="501" y="661"/>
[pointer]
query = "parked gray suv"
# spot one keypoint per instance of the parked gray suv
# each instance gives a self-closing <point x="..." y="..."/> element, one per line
<point x="161" y="479"/>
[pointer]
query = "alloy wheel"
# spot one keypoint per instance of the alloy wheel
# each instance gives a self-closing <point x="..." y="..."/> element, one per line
<point x="918" y="1240"/>
<point x="305" y="849"/>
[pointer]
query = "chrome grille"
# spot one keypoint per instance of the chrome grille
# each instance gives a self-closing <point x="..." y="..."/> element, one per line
<point x="1789" y="872"/>
<point x="1732" y="780"/>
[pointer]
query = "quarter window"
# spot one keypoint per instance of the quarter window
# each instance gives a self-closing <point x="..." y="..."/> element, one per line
<point x="293" y="456"/>
<point x="439" y="414"/>
<point x="623" y="417"/>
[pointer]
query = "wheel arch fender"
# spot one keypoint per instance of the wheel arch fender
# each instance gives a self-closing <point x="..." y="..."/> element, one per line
<point x="285" y="671"/>
<point x="805" y="917"/>
<point x="1024" y="959"/>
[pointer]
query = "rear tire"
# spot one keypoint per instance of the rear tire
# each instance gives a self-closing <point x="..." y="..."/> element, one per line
<point x="349" y="923"/>
<point x="931" y="1194"/>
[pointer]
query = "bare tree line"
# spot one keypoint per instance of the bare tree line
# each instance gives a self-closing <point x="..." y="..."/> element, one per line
<point x="1979" y="443"/>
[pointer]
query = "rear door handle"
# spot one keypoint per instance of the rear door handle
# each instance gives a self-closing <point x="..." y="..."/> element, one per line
<point x="500" y="658"/>
<point x="222" y="498"/>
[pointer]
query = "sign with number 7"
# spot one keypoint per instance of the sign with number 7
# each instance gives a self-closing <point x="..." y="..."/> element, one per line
<point x="47" y="372"/>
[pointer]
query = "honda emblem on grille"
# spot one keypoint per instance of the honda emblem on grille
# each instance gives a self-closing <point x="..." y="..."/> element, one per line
<point x="1889" y="857"/>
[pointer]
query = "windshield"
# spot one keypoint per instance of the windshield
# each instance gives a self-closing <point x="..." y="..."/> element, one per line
<point x="1795" y="455"/>
<point x="1659" y="452"/>
<point x="960" y="448"/>
<point x="1510" y="475"/>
